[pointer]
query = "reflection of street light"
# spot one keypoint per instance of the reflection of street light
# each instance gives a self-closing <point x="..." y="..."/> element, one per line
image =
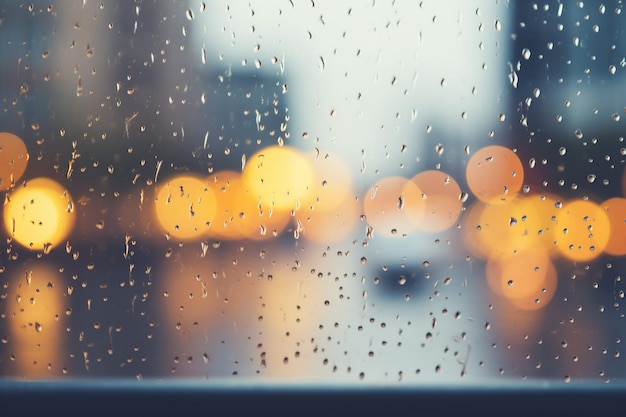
<point x="34" y="306"/>
<point x="39" y="215"/>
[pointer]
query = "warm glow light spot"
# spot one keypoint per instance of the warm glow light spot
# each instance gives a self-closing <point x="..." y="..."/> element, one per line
<point x="495" y="174"/>
<point x="334" y="210"/>
<point x="394" y="206"/>
<point x="495" y="230"/>
<point x="40" y="214"/>
<point x="583" y="230"/>
<point x="239" y="215"/>
<point x="332" y="182"/>
<point x="13" y="160"/>
<point x="185" y="206"/>
<point x="527" y="279"/>
<point x="615" y="209"/>
<point x="257" y="220"/>
<point x="442" y="204"/>
<point x="227" y="188"/>
<point x="280" y="177"/>
<point x="326" y="226"/>
<point x="35" y="309"/>
<point x="548" y="206"/>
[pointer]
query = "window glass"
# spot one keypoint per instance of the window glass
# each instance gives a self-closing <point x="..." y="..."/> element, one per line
<point x="356" y="193"/>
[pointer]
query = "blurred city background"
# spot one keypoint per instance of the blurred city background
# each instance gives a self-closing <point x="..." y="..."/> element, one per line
<point x="312" y="191"/>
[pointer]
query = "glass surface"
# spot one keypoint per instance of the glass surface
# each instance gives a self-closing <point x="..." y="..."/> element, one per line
<point x="346" y="194"/>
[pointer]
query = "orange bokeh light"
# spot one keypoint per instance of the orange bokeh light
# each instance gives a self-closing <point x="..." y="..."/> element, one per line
<point x="495" y="174"/>
<point x="583" y="230"/>
<point x="34" y="307"/>
<point x="442" y="200"/>
<point x="240" y="215"/>
<point x="13" y="160"/>
<point x="527" y="279"/>
<point x="394" y="206"/>
<point x="615" y="209"/>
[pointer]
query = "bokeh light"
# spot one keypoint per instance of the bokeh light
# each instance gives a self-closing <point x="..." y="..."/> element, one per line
<point x="583" y="230"/>
<point x="615" y="209"/>
<point x="280" y="177"/>
<point x="494" y="230"/>
<point x="185" y="206"/>
<point x="394" y="206"/>
<point x="227" y="188"/>
<point x="240" y="215"/>
<point x="527" y="279"/>
<point x="442" y="200"/>
<point x="495" y="174"/>
<point x="13" y="160"/>
<point x="334" y="209"/>
<point x="39" y="215"/>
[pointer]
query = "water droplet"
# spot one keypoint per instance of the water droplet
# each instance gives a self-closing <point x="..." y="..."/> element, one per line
<point x="402" y="280"/>
<point x="526" y="53"/>
<point x="189" y="14"/>
<point x="562" y="150"/>
<point x="591" y="178"/>
<point x="612" y="69"/>
<point x="512" y="221"/>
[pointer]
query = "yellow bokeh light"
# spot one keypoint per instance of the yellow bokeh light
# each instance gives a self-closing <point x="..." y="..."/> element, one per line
<point x="39" y="215"/>
<point x="495" y="174"/>
<point x="185" y="206"/>
<point x="547" y="207"/>
<point x="280" y="177"/>
<point x="239" y="215"/>
<point x="13" y="160"/>
<point x="582" y="231"/>
<point x="527" y="279"/>
<point x="615" y="209"/>
<point x="442" y="200"/>
<point x="227" y="186"/>
<point x="494" y="230"/>
<point x="394" y="206"/>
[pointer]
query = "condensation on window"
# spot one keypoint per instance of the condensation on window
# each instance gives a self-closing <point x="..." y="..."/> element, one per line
<point x="363" y="192"/>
